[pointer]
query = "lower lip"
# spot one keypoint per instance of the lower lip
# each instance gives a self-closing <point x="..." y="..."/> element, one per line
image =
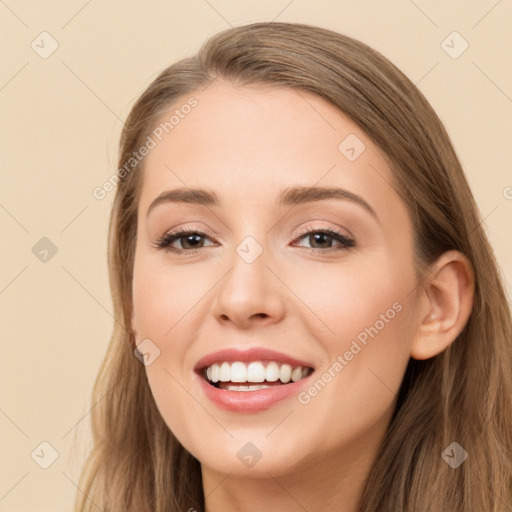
<point x="251" y="401"/>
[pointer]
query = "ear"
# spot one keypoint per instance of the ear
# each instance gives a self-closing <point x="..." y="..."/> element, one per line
<point x="445" y="304"/>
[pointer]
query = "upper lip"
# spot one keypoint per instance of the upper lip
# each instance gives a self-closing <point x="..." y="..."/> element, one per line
<point x="250" y="354"/>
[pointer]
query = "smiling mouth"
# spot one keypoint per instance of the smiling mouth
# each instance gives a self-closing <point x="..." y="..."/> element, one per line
<point x="252" y="376"/>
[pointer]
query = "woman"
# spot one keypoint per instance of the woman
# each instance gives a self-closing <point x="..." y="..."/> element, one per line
<point x="299" y="267"/>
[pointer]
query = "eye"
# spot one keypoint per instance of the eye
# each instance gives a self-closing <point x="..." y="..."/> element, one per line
<point x="187" y="237"/>
<point x="190" y="240"/>
<point x="324" y="237"/>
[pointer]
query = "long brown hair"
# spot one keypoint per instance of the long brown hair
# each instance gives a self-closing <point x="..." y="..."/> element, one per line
<point x="463" y="394"/>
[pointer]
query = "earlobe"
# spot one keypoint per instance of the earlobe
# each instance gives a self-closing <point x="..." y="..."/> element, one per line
<point x="447" y="301"/>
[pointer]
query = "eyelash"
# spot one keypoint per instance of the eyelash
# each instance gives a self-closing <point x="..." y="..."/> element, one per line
<point x="167" y="239"/>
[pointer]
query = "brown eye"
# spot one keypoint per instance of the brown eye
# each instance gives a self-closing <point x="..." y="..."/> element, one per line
<point x="190" y="241"/>
<point x="325" y="238"/>
<point x="322" y="239"/>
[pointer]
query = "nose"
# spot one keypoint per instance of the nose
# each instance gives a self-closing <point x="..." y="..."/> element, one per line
<point x="250" y="294"/>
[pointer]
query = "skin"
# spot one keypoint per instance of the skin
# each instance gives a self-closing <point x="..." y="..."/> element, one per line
<point x="247" y="143"/>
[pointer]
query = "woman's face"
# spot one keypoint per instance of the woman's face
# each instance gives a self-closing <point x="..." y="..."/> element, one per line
<point x="264" y="274"/>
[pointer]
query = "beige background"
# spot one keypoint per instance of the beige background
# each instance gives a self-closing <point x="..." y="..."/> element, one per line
<point x="61" y="118"/>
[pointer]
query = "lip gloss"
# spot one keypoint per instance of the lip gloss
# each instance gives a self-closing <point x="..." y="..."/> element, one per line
<point x="249" y="402"/>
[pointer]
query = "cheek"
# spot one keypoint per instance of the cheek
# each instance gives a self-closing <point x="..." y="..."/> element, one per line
<point x="163" y="297"/>
<point x="347" y="300"/>
<point x="365" y="329"/>
<point x="180" y="411"/>
<point x="370" y="313"/>
<point x="162" y="313"/>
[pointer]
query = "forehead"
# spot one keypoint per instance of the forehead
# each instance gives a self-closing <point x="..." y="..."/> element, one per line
<point x="250" y="142"/>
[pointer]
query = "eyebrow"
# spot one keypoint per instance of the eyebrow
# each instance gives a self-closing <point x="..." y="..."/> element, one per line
<point x="288" y="197"/>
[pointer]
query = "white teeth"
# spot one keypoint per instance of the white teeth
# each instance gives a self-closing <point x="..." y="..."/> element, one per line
<point x="297" y="374"/>
<point x="238" y="372"/>
<point x="285" y="373"/>
<point x="256" y="371"/>
<point x="272" y="372"/>
<point x="247" y="388"/>
<point x="215" y="373"/>
<point x="225" y="372"/>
